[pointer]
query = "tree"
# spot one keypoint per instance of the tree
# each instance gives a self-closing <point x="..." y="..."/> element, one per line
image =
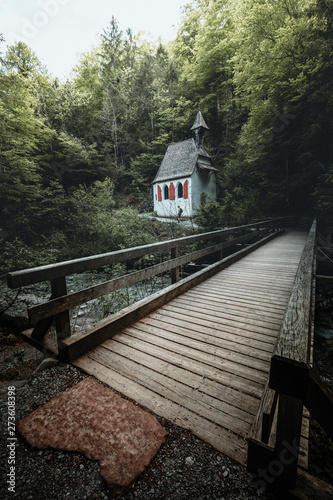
<point x="281" y="75"/>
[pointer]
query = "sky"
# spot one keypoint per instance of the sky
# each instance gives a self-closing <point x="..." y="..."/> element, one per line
<point x="59" y="30"/>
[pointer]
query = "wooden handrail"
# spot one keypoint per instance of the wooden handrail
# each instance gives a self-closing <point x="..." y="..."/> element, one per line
<point x="44" y="273"/>
<point x="288" y="375"/>
<point x="60" y="304"/>
<point x="293" y="338"/>
<point x="77" y="345"/>
<point x="57" y="308"/>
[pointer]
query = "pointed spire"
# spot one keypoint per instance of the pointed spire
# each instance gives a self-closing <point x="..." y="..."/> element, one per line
<point x="199" y="127"/>
<point x="199" y="122"/>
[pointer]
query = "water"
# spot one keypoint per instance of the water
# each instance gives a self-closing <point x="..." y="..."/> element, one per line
<point x="16" y="304"/>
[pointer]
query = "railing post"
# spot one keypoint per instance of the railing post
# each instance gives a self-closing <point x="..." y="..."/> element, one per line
<point x="62" y="321"/>
<point x="220" y="255"/>
<point x="175" y="270"/>
<point x="288" y="432"/>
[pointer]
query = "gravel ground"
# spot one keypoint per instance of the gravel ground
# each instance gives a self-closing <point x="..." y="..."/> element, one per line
<point x="185" y="467"/>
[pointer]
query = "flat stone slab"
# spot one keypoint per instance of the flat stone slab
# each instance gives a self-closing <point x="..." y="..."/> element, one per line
<point x="94" y="420"/>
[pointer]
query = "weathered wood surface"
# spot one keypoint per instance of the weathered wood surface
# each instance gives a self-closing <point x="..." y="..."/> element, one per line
<point x="202" y="359"/>
<point x="293" y="339"/>
<point x="77" y="345"/>
<point x="44" y="273"/>
<point x="65" y="302"/>
<point x="279" y="419"/>
<point x="62" y="321"/>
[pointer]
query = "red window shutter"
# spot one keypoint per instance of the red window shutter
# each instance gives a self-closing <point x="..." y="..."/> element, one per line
<point x="172" y="192"/>
<point x="186" y="189"/>
<point x="159" y="193"/>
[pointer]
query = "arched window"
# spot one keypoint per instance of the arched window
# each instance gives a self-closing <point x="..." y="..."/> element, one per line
<point x="166" y="192"/>
<point x="172" y="191"/>
<point x="180" y="191"/>
<point x="159" y="193"/>
<point x="186" y="189"/>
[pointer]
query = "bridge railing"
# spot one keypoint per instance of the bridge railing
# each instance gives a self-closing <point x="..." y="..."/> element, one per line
<point x="274" y="446"/>
<point x="57" y="308"/>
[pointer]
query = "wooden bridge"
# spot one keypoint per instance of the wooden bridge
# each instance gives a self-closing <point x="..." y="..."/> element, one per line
<point x="225" y="352"/>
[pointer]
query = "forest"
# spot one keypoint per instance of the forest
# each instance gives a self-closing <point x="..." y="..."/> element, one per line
<point x="77" y="157"/>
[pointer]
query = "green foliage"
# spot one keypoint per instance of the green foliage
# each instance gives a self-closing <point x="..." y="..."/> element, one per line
<point x="324" y="196"/>
<point x="96" y="227"/>
<point x="209" y="216"/>
<point x="16" y="254"/>
<point x="75" y="155"/>
<point x="236" y="207"/>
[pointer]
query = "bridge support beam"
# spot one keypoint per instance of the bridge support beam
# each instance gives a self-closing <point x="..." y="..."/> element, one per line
<point x="62" y="321"/>
<point x="175" y="270"/>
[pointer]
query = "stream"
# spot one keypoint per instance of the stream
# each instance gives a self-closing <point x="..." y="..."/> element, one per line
<point x="14" y="303"/>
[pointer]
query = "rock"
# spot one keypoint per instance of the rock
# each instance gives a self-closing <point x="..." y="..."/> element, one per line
<point x="94" y="420"/>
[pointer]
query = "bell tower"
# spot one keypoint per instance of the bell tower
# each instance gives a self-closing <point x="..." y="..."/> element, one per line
<point x="199" y="127"/>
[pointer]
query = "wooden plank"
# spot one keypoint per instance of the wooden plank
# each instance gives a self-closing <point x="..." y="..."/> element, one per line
<point x="309" y="487"/>
<point x="268" y="281"/>
<point x="225" y="375"/>
<point x="223" y="440"/>
<point x="265" y="408"/>
<point x="191" y="322"/>
<point x="231" y="363"/>
<point x="219" y="330"/>
<point x="288" y="420"/>
<point x="271" y="272"/>
<point x="255" y="284"/>
<point x="217" y="310"/>
<point x="262" y="303"/>
<point x="239" y="288"/>
<point x="76" y="346"/>
<point x="217" y="313"/>
<point x="198" y="382"/>
<point x="214" y="337"/>
<point x="201" y="319"/>
<point x="237" y="302"/>
<point x="221" y="413"/>
<point x="197" y="340"/>
<point x="213" y="355"/>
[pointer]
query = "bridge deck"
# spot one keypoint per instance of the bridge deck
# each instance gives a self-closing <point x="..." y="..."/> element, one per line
<point x="202" y="360"/>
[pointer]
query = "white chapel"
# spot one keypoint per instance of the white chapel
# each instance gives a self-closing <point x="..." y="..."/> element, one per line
<point x="186" y="172"/>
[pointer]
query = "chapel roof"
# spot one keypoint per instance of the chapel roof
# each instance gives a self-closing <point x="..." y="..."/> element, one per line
<point x="180" y="160"/>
